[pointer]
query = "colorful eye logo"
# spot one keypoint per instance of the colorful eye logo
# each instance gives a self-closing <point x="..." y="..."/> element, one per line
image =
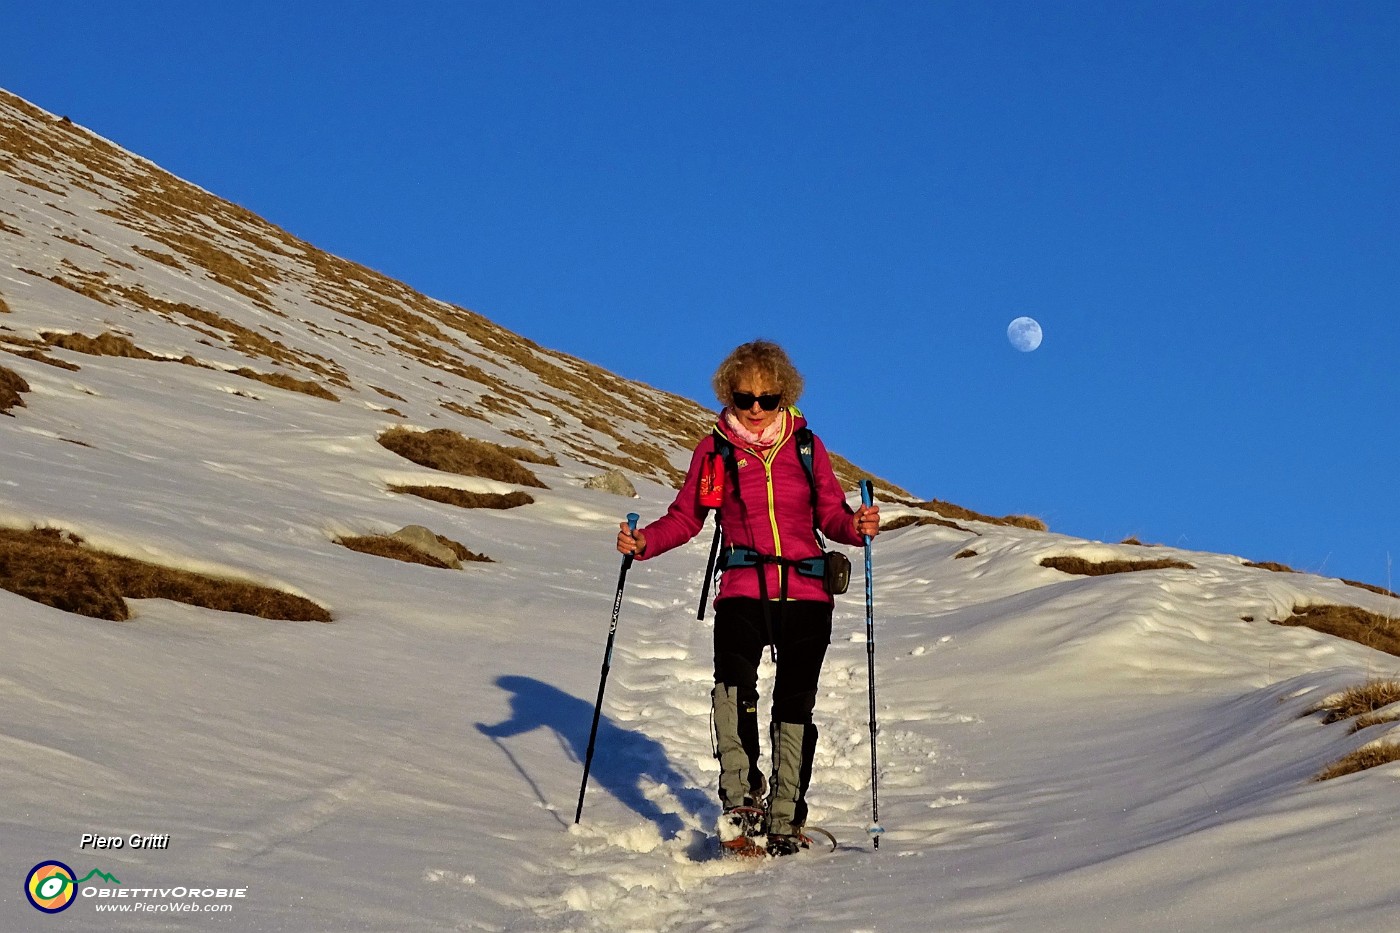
<point x="50" y="887"/>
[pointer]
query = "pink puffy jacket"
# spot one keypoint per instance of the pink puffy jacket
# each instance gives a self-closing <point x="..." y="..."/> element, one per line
<point x="771" y="512"/>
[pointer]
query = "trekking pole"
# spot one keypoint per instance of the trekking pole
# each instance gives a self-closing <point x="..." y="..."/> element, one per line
<point x="632" y="519"/>
<point x="867" y="497"/>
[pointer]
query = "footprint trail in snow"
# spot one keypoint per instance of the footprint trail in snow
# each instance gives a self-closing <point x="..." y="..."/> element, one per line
<point x="620" y="871"/>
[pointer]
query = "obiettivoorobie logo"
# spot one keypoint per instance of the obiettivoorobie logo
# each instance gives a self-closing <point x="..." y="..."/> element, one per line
<point x="52" y="886"/>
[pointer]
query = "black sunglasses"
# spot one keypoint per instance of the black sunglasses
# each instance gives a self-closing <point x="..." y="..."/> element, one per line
<point x="743" y="401"/>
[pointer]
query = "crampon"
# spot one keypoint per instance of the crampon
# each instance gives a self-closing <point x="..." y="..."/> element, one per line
<point x="745" y="838"/>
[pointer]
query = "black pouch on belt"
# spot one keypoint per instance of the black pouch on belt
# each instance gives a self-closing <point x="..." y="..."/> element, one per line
<point x="838" y="573"/>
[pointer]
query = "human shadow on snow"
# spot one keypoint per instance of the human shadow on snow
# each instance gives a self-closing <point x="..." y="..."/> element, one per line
<point x="622" y="758"/>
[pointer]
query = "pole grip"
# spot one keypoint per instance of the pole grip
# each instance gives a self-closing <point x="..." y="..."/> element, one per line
<point x="632" y="519"/>
<point x="867" y="498"/>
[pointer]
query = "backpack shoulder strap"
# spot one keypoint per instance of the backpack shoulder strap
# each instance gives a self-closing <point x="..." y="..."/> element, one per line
<point x="806" y="445"/>
<point x="723" y="446"/>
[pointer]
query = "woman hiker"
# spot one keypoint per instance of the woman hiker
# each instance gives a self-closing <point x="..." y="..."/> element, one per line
<point x="772" y="499"/>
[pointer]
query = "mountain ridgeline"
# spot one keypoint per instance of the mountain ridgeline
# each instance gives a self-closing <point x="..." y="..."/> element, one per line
<point x="233" y="292"/>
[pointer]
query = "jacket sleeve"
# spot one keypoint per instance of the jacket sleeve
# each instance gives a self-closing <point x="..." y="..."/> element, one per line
<point x="684" y="517"/>
<point x="834" y="516"/>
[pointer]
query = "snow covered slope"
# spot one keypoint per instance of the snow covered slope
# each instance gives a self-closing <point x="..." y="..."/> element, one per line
<point x="1057" y="752"/>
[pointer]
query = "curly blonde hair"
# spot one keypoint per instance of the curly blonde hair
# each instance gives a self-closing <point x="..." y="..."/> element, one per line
<point x="763" y="356"/>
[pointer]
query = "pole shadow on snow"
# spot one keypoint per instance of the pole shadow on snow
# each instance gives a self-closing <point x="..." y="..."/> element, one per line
<point x="622" y="758"/>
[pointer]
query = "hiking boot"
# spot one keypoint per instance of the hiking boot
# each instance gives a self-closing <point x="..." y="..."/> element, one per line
<point x="785" y="845"/>
<point x="743" y="821"/>
<point x="741" y="831"/>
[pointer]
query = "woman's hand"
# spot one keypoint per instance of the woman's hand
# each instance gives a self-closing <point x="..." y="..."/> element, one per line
<point x="629" y="541"/>
<point x="867" y="520"/>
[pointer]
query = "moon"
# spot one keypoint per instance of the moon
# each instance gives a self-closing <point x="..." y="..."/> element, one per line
<point x="1024" y="333"/>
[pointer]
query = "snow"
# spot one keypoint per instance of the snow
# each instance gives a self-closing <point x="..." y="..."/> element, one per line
<point x="1056" y="753"/>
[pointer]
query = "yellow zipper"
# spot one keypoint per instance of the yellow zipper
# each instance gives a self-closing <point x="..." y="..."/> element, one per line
<point x="772" y="506"/>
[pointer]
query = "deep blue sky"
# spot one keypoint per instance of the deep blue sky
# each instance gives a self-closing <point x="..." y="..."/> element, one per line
<point x="1198" y="201"/>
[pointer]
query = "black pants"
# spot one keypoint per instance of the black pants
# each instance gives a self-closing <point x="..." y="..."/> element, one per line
<point x="801" y="634"/>
<point x="800" y="631"/>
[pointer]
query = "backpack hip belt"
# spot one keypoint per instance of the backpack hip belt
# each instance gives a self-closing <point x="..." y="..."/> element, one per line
<point x="736" y="556"/>
<point x="832" y="567"/>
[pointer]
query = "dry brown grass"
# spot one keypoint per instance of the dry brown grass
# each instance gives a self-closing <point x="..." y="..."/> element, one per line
<point x="969" y="552"/>
<point x="30" y="353"/>
<point x="907" y="521"/>
<point x="74" y="241"/>
<point x="1269" y="565"/>
<point x="89" y="287"/>
<point x="850" y="476"/>
<point x="1372" y="588"/>
<point x="949" y="510"/>
<point x="603" y="459"/>
<point x="11" y="385"/>
<point x="446" y="450"/>
<point x="158" y="256"/>
<point x="1284" y="568"/>
<point x="526" y="455"/>
<point x="440" y="335"/>
<point x="290" y="383"/>
<point x="56" y="569"/>
<point x="1358" y="701"/>
<point x="247" y="274"/>
<point x="1368" y="756"/>
<point x="466" y="499"/>
<point x="105" y="344"/>
<point x="1372" y="719"/>
<point x="109" y="344"/>
<point x="395" y="549"/>
<point x="4" y="308"/>
<point x="1350" y="622"/>
<point x="464" y="411"/>
<point x="1079" y="565"/>
<point x="652" y="458"/>
<point x="462" y="551"/>
<point x="245" y="340"/>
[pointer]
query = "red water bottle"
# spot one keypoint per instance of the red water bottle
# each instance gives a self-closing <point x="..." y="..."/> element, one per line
<point x="712" y="482"/>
